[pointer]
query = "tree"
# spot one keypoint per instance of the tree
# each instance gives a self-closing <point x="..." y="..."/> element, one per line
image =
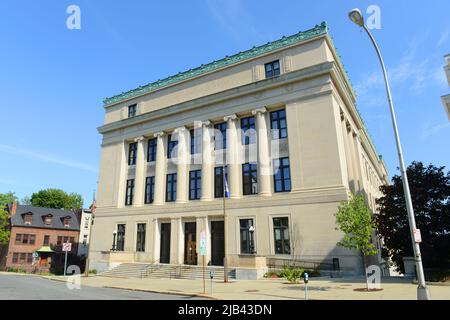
<point x="5" y="199"/>
<point x="354" y="219"/>
<point x="57" y="199"/>
<point x="430" y="192"/>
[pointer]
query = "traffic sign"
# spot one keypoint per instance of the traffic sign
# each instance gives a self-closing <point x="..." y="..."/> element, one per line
<point x="67" y="246"/>
<point x="417" y="236"/>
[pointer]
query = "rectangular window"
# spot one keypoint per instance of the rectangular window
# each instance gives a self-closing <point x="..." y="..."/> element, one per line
<point x="195" y="184"/>
<point x="278" y="124"/>
<point x="149" y="189"/>
<point x="32" y="239"/>
<point x="247" y="231"/>
<point x="171" y="144"/>
<point x="272" y="69"/>
<point x="282" y="176"/>
<point x="171" y="187"/>
<point x="250" y="178"/>
<point x="120" y="244"/>
<point x="18" y="239"/>
<point x="59" y="241"/>
<point x="196" y="140"/>
<point x="220" y="136"/>
<point x="132" y="150"/>
<point x="22" y="258"/>
<point x="248" y="130"/>
<point x="281" y="235"/>
<point x="29" y="258"/>
<point x="129" y="192"/>
<point x="15" y="258"/>
<point x="218" y="181"/>
<point x="25" y="239"/>
<point x="85" y="238"/>
<point x="140" y="237"/>
<point x="151" y="150"/>
<point x="46" y="240"/>
<point x="132" y="110"/>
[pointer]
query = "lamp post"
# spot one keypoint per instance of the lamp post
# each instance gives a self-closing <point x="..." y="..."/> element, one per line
<point x="114" y="241"/>
<point x="252" y="239"/>
<point x="356" y="16"/>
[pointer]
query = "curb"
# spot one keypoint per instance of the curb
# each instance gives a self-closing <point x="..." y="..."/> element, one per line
<point x="187" y="294"/>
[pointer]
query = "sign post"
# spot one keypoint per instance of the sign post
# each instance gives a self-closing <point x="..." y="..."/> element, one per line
<point x="306" y="280"/>
<point x="66" y="248"/>
<point x="203" y="254"/>
<point x="211" y="275"/>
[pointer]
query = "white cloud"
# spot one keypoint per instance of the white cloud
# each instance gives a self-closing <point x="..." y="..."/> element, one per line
<point x="49" y="158"/>
<point x="431" y="130"/>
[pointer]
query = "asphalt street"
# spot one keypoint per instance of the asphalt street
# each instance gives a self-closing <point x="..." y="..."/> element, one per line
<point x="23" y="287"/>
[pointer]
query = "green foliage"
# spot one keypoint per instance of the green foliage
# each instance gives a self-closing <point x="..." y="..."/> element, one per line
<point x="5" y="199"/>
<point x="430" y="192"/>
<point x="57" y="199"/>
<point x="292" y="274"/>
<point x="93" y="271"/>
<point x="354" y="219"/>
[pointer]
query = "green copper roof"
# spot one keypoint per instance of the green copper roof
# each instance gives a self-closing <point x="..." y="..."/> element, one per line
<point x="228" y="60"/>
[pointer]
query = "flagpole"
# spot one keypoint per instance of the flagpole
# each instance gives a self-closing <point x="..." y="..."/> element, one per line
<point x="225" y="262"/>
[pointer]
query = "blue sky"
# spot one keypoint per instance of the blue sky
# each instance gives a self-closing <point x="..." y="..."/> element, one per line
<point x="53" y="80"/>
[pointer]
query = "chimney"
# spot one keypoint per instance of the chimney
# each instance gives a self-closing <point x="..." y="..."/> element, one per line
<point x="13" y="208"/>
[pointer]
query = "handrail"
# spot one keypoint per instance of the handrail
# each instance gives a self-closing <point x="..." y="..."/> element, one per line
<point x="145" y="272"/>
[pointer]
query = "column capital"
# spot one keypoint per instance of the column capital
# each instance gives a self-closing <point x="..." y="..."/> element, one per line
<point x="139" y="139"/>
<point x="159" y="134"/>
<point x="180" y="129"/>
<point x="259" y="110"/>
<point x="230" y="117"/>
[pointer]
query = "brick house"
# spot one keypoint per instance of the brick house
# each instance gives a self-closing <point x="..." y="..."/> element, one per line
<point x="37" y="236"/>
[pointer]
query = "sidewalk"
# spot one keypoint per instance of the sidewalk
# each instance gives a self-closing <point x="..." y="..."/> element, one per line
<point x="272" y="289"/>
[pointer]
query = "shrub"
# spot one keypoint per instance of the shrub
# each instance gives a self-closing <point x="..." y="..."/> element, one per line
<point x="93" y="271"/>
<point x="292" y="274"/>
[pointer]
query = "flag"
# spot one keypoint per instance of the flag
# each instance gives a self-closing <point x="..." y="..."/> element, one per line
<point x="226" y="189"/>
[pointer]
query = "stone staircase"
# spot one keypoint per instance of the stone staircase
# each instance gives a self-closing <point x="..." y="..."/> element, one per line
<point x="166" y="271"/>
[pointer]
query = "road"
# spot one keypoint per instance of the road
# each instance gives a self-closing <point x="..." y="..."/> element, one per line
<point x="24" y="287"/>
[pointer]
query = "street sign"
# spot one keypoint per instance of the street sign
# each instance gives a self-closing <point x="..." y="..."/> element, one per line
<point x="203" y="243"/>
<point x="67" y="246"/>
<point x="417" y="236"/>
<point x="35" y="255"/>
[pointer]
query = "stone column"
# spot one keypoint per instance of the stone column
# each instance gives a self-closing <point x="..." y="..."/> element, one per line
<point x="160" y="168"/>
<point x="232" y="158"/>
<point x="139" y="178"/>
<point x="207" y="163"/>
<point x="264" y="161"/>
<point x="120" y="200"/>
<point x="183" y="159"/>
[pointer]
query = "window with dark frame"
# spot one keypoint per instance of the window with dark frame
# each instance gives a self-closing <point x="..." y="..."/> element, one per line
<point x="22" y="258"/>
<point x="218" y="181"/>
<point x="15" y="258"/>
<point x="249" y="130"/>
<point x="132" y="151"/>
<point x="220" y="142"/>
<point x="140" y="237"/>
<point x="59" y="241"/>
<point x="278" y="124"/>
<point x="46" y="240"/>
<point x="120" y="242"/>
<point x="282" y="175"/>
<point x="149" y="190"/>
<point x="25" y="239"/>
<point x="195" y="184"/>
<point x="247" y="237"/>
<point x="250" y="178"/>
<point x="196" y="140"/>
<point x="281" y="235"/>
<point x="171" y="187"/>
<point x="272" y="69"/>
<point x="132" y="110"/>
<point x="18" y="239"/>
<point x="129" y="192"/>
<point x="151" y="150"/>
<point x="29" y="258"/>
<point x="32" y="239"/>
<point x="171" y="144"/>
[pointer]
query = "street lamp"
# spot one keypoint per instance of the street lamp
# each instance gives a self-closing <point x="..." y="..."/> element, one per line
<point x="114" y="241"/>
<point x="252" y="239"/>
<point x="356" y="16"/>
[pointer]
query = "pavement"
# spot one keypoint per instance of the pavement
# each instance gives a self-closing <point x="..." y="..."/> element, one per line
<point x="271" y="289"/>
<point x="32" y="287"/>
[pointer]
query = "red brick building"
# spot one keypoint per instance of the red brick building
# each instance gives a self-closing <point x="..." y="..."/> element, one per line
<point x="37" y="236"/>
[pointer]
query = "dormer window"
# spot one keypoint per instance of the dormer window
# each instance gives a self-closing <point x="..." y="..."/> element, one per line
<point x="48" y="220"/>
<point x="28" y="218"/>
<point x="66" y="222"/>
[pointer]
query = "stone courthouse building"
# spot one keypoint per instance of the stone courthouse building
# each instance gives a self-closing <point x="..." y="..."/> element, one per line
<point x="283" y="118"/>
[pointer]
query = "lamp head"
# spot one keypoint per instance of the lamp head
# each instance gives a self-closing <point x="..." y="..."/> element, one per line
<point x="251" y="229"/>
<point x="356" y="16"/>
<point x="114" y="232"/>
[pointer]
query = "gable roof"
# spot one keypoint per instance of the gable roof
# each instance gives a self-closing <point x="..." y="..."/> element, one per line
<point x="38" y="213"/>
<point x="284" y="42"/>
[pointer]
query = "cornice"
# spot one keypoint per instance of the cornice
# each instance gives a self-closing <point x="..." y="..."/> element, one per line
<point x="284" y="42"/>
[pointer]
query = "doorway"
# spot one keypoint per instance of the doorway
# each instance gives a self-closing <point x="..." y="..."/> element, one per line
<point x="217" y="243"/>
<point x="190" y="243"/>
<point x="165" y="243"/>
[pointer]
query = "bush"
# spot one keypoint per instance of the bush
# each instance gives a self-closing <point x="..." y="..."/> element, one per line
<point x="293" y="275"/>
<point x="93" y="271"/>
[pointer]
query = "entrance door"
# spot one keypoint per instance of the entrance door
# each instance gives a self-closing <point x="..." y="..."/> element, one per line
<point x="217" y="243"/>
<point x="165" y="243"/>
<point x="190" y="244"/>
